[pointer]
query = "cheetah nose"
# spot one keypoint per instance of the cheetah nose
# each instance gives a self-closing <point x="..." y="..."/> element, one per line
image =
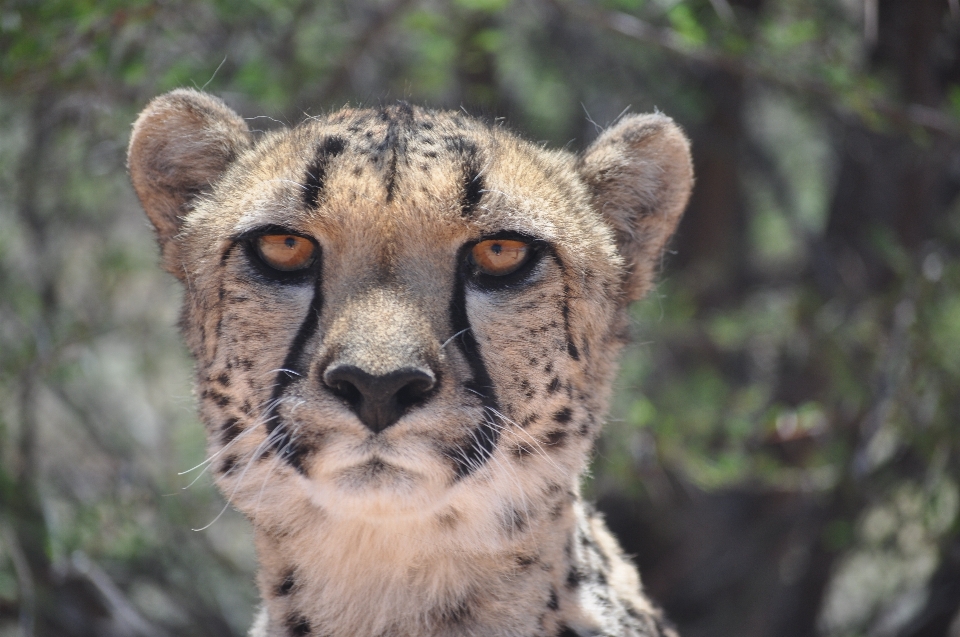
<point x="379" y="401"/>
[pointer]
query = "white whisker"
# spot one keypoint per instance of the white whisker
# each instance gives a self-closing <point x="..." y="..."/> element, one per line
<point x="447" y="342"/>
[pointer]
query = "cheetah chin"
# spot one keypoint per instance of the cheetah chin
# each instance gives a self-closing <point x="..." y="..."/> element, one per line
<point x="406" y="325"/>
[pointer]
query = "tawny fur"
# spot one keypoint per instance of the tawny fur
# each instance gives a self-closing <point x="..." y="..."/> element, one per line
<point x="463" y="517"/>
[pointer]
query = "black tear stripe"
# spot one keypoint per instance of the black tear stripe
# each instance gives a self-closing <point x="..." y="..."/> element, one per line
<point x="317" y="171"/>
<point x="278" y="433"/>
<point x="483" y="439"/>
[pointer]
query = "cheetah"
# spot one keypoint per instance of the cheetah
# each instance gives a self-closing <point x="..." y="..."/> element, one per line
<point x="406" y="324"/>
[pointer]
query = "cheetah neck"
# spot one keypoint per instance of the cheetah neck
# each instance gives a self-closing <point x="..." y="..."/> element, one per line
<point x="410" y="577"/>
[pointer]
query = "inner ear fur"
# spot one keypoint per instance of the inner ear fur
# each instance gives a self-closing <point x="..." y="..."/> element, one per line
<point x="181" y="144"/>
<point x="640" y="174"/>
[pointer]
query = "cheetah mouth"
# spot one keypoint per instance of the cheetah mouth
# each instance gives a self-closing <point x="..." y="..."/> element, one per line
<point x="375" y="475"/>
<point x="374" y="469"/>
<point x="376" y="488"/>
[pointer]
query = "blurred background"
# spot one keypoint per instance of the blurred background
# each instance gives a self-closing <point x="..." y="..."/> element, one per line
<point x="783" y="454"/>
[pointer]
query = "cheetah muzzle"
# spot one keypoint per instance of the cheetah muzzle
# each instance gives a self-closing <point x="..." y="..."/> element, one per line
<point x="406" y="325"/>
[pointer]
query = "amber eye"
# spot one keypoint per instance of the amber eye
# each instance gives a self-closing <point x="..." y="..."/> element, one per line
<point x="499" y="257"/>
<point x="286" y="252"/>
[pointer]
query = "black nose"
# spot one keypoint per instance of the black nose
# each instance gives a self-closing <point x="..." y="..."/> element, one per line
<point x="379" y="401"/>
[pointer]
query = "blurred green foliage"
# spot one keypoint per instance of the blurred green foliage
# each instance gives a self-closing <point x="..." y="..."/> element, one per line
<point x="792" y="389"/>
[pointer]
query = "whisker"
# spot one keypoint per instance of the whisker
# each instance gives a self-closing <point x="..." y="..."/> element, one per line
<point x="266" y="441"/>
<point x="281" y="369"/>
<point x="538" y="447"/>
<point x="447" y="342"/>
<point x="270" y="406"/>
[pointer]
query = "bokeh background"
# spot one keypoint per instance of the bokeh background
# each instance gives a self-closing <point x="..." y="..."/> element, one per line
<point x="783" y="455"/>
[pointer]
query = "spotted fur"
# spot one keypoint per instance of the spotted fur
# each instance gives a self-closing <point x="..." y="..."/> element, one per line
<point x="462" y="517"/>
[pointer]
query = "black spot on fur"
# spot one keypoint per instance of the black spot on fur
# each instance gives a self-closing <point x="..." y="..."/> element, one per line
<point x="553" y="603"/>
<point x="317" y="171"/>
<point x="295" y="452"/>
<point x="476" y="448"/>
<point x="472" y="190"/>
<point x="566" y="631"/>
<point x="514" y="521"/>
<point x="453" y="615"/>
<point x="229" y="464"/>
<point x="522" y="450"/>
<point x="556" y="438"/>
<point x="229" y="430"/>
<point x="471" y="168"/>
<point x="461" y="612"/>
<point x="582" y="537"/>
<point x="299" y="625"/>
<point x="448" y="520"/>
<point x="287" y="584"/>
<point x="574" y="577"/>
<point x="224" y="379"/>
<point x="563" y="416"/>
<point x="553" y="386"/>
<point x="633" y="613"/>
<point x="556" y="511"/>
<point x="525" y="561"/>
<point x="220" y="399"/>
<point x="565" y="312"/>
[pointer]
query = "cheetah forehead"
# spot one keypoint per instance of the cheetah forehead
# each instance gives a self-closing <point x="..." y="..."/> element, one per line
<point x="378" y="181"/>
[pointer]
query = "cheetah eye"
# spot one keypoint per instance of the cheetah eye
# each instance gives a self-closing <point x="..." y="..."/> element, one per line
<point x="286" y="252"/>
<point x="499" y="257"/>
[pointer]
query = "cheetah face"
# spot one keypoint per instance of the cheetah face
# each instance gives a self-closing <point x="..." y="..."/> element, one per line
<point x="399" y="312"/>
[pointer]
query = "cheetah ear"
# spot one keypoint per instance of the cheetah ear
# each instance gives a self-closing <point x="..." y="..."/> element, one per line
<point x="640" y="175"/>
<point x="181" y="144"/>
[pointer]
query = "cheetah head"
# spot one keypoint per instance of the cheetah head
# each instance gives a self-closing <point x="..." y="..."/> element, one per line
<point x="398" y="313"/>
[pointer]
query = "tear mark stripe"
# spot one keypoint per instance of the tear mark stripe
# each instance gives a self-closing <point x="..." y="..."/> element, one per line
<point x="483" y="440"/>
<point x="278" y="432"/>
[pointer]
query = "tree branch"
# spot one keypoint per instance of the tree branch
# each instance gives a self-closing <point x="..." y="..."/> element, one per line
<point x="902" y="116"/>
